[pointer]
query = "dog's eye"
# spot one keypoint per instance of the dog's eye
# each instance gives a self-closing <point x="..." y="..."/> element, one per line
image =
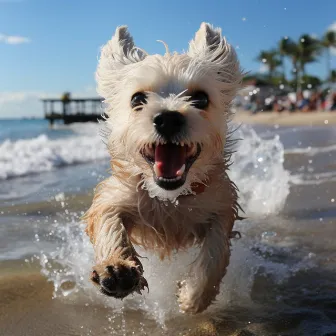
<point x="200" y="100"/>
<point x="138" y="99"/>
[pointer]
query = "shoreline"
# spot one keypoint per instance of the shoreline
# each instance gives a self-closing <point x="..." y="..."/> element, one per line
<point x="319" y="118"/>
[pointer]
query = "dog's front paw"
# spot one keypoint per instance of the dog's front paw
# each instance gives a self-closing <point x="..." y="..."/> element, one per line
<point x="192" y="300"/>
<point x="119" y="278"/>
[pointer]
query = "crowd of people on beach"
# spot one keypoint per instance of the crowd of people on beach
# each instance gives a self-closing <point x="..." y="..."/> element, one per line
<point x="300" y="101"/>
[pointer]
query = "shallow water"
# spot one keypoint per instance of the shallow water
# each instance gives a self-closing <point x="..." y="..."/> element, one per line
<point x="281" y="279"/>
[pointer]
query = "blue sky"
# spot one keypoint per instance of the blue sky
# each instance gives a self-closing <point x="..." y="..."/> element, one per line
<point x="47" y="47"/>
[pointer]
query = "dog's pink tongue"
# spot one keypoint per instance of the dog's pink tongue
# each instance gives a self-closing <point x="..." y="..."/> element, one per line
<point x="169" y="159"/>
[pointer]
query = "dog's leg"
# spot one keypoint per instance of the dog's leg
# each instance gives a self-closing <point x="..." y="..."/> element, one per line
<point x="118" y="271"/>
<point x="202" y="285"/>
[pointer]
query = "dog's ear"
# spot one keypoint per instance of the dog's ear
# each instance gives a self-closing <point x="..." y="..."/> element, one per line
<point x="119" y="52"/>
<point x="121" y="49"/>
<point x="211" y="47"/>
<point x="207" y="39"/>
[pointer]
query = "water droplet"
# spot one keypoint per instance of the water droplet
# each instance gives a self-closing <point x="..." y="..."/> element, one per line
<point x="268" y="234"/>
<point x="68" y="285"/>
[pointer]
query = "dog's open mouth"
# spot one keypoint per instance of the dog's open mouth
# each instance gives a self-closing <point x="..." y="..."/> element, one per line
<point x="171" y="162"/>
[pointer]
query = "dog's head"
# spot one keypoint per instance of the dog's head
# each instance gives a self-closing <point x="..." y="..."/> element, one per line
<point x="168" y="114"/>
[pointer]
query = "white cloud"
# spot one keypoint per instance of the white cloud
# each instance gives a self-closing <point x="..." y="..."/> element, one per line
<point x="17" y="104"/>
<point x="332" y="27"/>
<point x="20" y="104"/>
<point x="8" y="39"/>
<point x="263" y="68"/>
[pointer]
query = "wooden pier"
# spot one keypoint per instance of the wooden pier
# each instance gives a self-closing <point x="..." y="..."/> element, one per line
<point x="72" y="110"/>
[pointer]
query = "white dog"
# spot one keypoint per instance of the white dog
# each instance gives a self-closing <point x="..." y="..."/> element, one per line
<point x="169" y="188"/>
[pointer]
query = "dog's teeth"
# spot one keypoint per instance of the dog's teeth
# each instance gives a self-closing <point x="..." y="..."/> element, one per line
<point x="157" y="170"/>
<point x="169" y="179"/>
<point x="181" y="171"/>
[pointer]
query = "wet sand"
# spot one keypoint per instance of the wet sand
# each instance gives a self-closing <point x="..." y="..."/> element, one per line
<point x="28" y="309"/>
<point x="286" y="118"/>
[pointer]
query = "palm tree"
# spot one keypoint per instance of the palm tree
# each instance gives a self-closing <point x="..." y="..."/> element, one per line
<point x="271" y="59"/>
<point x="309" y="50"/>
<point x="283" y="52"/>
<point x="332" y="76"/>
<point x="290" y="49"/>
<point x="304" y="51"/>
<point x="328" y="41"/>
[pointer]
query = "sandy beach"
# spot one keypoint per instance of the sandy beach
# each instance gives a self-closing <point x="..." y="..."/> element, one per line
<point x="318" y="118"/>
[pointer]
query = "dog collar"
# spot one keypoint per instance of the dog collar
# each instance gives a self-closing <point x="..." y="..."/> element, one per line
<point x="198" y="188"/>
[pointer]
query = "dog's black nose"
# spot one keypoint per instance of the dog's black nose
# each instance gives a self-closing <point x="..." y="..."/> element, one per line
<point x="169" y="123"/>
<point x="109" y="283"/>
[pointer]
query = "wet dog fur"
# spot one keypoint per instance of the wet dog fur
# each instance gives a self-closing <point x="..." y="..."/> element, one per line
<point x="162" y="112"/>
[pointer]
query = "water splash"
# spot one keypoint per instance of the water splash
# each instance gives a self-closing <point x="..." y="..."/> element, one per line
<point x="259" y="173"/>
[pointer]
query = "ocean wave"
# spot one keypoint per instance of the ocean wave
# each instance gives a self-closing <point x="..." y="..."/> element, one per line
<point x="313" y="179"/>
<point x="40" y="154"/>
<point x="257" y="170"/>
<point x="311" y="151"/>
<point x="87" y="128"/>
